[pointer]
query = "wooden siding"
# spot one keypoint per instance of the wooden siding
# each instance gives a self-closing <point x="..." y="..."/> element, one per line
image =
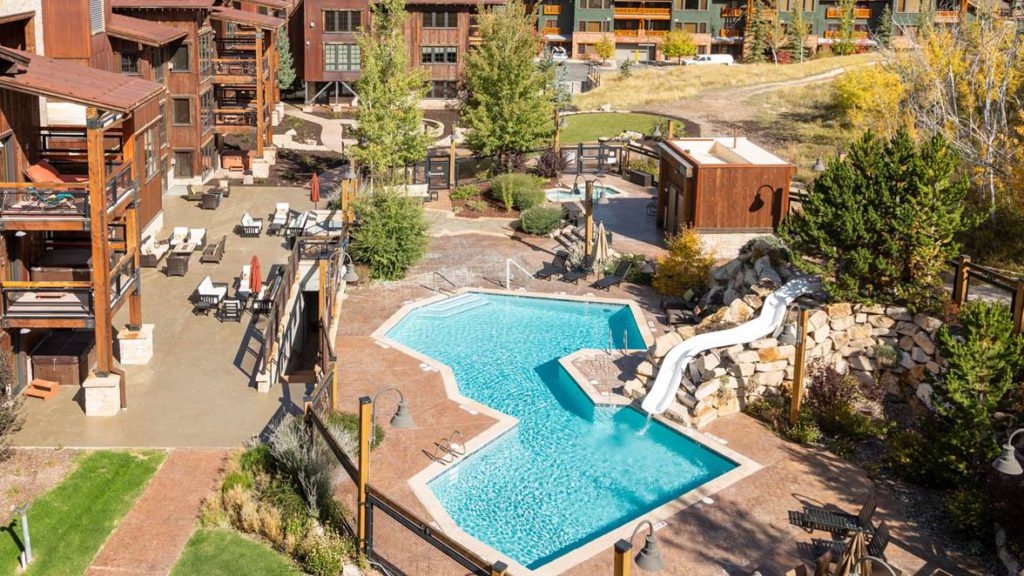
<point x="19" y="34"/>
<point x="19" y="113"/>
<point x="312" y="68"/>
<point x="66" y="29"/>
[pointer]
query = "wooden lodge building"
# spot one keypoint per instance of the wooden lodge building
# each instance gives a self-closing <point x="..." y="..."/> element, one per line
<point x="721" y="185"/>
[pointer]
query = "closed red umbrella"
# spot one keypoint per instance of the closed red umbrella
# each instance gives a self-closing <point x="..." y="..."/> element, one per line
<point x="255" y="276"/>
<point x="314" y="190"/>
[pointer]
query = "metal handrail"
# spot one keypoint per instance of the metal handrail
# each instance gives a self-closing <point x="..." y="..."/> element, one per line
<point x="433" y="278"/>
<point x="508" y="272"/>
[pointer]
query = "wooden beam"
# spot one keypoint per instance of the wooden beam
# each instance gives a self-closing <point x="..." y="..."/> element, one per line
<point x="365" y="426"/>
<point x="98" y="237"/>
<point x="260" y="88"/>
<point x="46" y="322"/>
<point x="796" y="398"/>
<point x="135" y="298"/>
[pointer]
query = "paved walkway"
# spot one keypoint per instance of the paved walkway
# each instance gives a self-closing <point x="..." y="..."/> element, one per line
<point x="332" y="133"/>
<point x="152" y="536"/>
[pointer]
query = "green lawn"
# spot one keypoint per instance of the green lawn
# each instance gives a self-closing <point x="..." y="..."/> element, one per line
<point x="226" y="553"/>
<point x="70" y="523"/>
<point x="590" y="127"/>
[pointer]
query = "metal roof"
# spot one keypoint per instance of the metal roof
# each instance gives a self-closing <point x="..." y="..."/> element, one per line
<point x="249" y="18"/>
<point x="142" y="31"/>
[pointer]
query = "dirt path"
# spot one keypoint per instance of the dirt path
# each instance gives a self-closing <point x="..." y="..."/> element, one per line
<point x="718" y="112"/>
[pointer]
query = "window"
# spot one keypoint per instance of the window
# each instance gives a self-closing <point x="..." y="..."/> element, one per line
<point x="439" y="55"/>
<point x="163" y="125"/>
<point x="693" y="27"/>
<point x="157" y="62"/>
<point x="585" y="48"/>
<point x="341" y="57"/>
<point x="183" y="164"/>
<point x="594" y="26"/>
<point x="551" y="24"/>
<point x="149" y="152"/>
<point x="692" y="5"/>
<point x="440" y="20"/>
<point x="8" y="161"/>
<point x="206" y="54"/>
<point x="808" y="5"/>
<point x="182" y="109"/>
<point x="129" y="63"/>
<point x="97" y="18"/>
<point x="342" y="20"/>
<point x="206" y="107"/>
<point x="181" y="59"/>
<point x="912" y="6"/>
<point x="595" y="4"/>
<point x="442" y="89"/>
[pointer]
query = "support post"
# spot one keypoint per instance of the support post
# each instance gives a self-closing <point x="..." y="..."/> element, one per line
<point x="365" y="426"/>
<point x="623" y="561"/>
<point x="670" y="132"/>
<point x="556" y="143"/>
<point x="260" y="89"/>
<point x="98" y="239"/>
<point x="588" y="241"/>
<point x="499" y="568"/>
<point x="798" y="370"/>
<point x="961" y="275"/>
<point x="451" y="164"/>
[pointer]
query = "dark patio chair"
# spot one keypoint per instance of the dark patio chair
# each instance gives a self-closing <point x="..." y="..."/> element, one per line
<point x="615" y="278"/>
<point x="231" y="309"/>
<point x="816" y="518"/>
<point x="214" y="252"/>
<point x="583" y="271"/>
<point x="556" y="266"/>
<point x="876" y="547"/>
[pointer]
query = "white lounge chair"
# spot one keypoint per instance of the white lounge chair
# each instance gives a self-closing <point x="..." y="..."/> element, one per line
<point x="151" y="252"/>
<point x="243" y="282"/>
<point x="280" y="217"/>
<point x="197" y="236"/>
<point x="251" y="226"/>
<point x="178" y="236"/>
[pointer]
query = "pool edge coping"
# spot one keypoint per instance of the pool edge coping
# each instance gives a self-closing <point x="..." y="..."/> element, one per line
<point x="418" y="482"/>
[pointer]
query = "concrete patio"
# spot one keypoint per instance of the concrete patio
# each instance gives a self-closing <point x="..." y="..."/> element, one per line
<point x="198" y="388"/>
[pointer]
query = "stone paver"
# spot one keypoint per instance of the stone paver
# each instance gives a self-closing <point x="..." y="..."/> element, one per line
<point x="332" y="131"/>
<point x="606" y="371"/>
<point x="152" y="536"/>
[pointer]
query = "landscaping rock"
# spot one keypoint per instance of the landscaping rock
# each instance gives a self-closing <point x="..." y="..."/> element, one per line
<point x="861" y="362"/>
<point x="924" y="343"/>
<point x="686" y="399"/>
<point x="645" y="369"/>
<point x="634" y="389"/>
<point x="745" y="356"/>
<point x="817" y="320"/>
<point x="708" y="388"/>
<point x="664" y="343"/>
<point x="768" y="379"/>
<point x="763" y="343"/>
<point x="686" y="332"/>
<point x="770" y="275"/>
<point x="907" y="343"/>
<point x="881" y="321"/>
<point x="839" y="310"/>
<point x="708" y="361"/>
<point x="744" y="370"/>
<point x="740" y="310"/>
<point x="899" y="313"/>
<point x="927" y="323"/>
<point x="918" y="355"/>
<point x="859" y="332"/>
<point x="906" y="328"/>
<point x="870" y="308"/>
<point x="841" y="324"/>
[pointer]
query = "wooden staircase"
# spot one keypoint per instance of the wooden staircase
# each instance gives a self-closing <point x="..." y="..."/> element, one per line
<point x="44" y="389"/>
<point x="300" y="377"/>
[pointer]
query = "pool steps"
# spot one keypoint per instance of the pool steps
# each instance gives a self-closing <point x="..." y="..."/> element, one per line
<point x="455" y="306"/>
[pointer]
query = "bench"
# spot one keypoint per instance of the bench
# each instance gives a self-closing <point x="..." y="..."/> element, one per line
<point x="214" y="252"/>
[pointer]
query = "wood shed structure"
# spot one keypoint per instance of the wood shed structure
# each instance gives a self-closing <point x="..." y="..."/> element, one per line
<point x="721" y="185"/>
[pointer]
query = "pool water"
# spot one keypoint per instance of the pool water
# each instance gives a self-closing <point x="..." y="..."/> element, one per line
<point x="566" y="195"/>
<point x="570" y="471"/>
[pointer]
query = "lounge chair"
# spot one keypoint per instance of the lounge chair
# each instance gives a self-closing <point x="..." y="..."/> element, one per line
<point x="250" y="226"/>
<point x="151" y="252"/>
<point x="178" y="236"/>
<point x="231" y="309"/>
<point x="195" y="192"/>
<point x="211" y="200"/>
<point x="208" y="296"/>
<point x="615" y="278"/>
<point x="557" y="265"/>
<point x="280" y="217"/>
<point x="876" y="547"/>
<point x="243" y="282"/>
<point x="197" y="236"/>
<point x="214" y="252"/>
<point x="816" y="518"/>
<point x="43" y="172"/>
<point x="583" y="271"/>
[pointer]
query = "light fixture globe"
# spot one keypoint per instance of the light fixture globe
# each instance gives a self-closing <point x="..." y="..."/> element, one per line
<point x="819" y="165"/>
<point x="1007" y="462"/>
<point x="649" y="557"/>
<point x="602" y="198"/>
<point x="402" y="420"/>
<point x="350" y="276"/>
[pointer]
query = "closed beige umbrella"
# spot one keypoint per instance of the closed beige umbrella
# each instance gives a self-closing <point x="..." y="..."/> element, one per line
<point x="601" y="245"/>
<point x="853" y="552"/>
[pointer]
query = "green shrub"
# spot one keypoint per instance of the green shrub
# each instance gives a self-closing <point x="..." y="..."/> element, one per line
<point x="465" y="192"/>
<point x="326" y="557"/>
<point x="289" y="502"/>
<point x="349" y="423"/>
<point x="476" y="205"/>
<point x="540" y="220"/>
<point x="845" y="423"/>
<point x="805" y="431"/>
<point x="237" y="478"/>
<point x="391" y="234"/>
<point x="256" y="458"/>
<point x="968" y="511"/>
<point x="686" y="267"/>
<point x="911" y="456"/>
<point x="521" y="191"/>
<point x="644" y="165"/>
<point x="771" y="411"/>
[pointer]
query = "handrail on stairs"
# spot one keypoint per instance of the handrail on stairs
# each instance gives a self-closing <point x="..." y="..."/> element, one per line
<point x="508" y="272"/>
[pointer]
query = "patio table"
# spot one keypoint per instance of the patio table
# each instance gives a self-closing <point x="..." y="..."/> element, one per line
<point x="188" y="248"/>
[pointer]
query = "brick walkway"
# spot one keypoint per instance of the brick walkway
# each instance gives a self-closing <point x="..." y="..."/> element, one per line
<point x="153" y="534"/>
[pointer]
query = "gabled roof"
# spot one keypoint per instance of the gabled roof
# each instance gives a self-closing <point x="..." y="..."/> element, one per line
<point x="286" y="5"/>
<point x="70" y="82"/>
<point x="186" y="4"/>
<point x="248" y="18"/>
<point x="143" y="31"/>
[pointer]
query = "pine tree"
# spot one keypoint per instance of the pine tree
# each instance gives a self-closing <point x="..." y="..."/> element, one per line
<point x="757" y="34"/>
<point x="845" y="43"/>
<point x="880" y="224"/>
<point x="285" y="61"/>
<point x="678" y="44"/>
<point x="797" y="31"/>
<point x="884" y="32"/>
<point x="508" y="103"/>
<point x="390" y="121"/>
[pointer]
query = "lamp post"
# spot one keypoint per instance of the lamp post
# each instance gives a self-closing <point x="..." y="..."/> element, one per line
<point x="402" y="420"/>
<point x="875" y="560"/>
<point x="350" y="276"/>
<point x="1007" y="462"/>
<point x="26" y="556"/>
<point x="648" y="558"/>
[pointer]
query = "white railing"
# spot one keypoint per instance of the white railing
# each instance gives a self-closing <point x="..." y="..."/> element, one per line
<point x="508" y="272"/>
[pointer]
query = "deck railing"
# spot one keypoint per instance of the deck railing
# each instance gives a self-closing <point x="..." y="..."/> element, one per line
<point x="234" y="66"/>
<point x="52" y="201"/>
<point x="643" y="11"/>
<point x="46" y="301"/>
<point x="858" y="13"/>
<point x="966" y="274"/>
<point x="731" y="12"/>
<point x="234" y="116"/>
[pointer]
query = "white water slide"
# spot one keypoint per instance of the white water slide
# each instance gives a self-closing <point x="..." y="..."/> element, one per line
<point x="673" y="366"/>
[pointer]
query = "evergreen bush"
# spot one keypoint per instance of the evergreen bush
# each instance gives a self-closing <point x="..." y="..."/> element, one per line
<point x="391" y="234"/>
<point x="518" y="190"/>
<point x="540" y="220"/>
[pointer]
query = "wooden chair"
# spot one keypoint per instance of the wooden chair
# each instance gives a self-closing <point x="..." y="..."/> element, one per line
<point x="231" y="309"/>
<point x="213" y="253"/>
<point x="251" y="227"/>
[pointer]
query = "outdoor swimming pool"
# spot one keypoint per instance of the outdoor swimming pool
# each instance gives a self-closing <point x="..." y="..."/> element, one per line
<point x="566" y="195"/>
<point x="570" y="471"/>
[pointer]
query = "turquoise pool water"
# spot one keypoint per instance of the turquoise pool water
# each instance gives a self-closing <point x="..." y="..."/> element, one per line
<point x="570" y="471"/>
<point x="566" y="195"/>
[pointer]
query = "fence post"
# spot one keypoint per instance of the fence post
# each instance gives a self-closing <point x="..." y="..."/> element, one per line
<point x="365" y="425"/>
<point x="670" y="132"/>
<point x="1018" y="307"/>
<point x="798" y="371"/>
<point x="499" y="568"/>
<point x="622" y="557"/>
<point x="451" y="163"/>
<point x="961" y="274"/>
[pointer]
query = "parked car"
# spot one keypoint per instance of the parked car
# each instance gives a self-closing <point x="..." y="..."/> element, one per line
<point x="558" y="54"/>
<point x="711" y="59"/>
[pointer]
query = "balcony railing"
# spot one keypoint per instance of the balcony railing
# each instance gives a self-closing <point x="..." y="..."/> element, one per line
<point x="947" y="16"/>
<point x="119" y="185"/>
<point x="730" y="33"/>
<point x="60" y="201"/>
<point x="733" y="12"/>
<point x="641" y="33"/>
<point x="46" y="301"/>
<point x="234" y="117"/>
<point x="234" y="66"/>
<point x="645" y="11"/>
<point x="551" y="30"/>
<point x="236" y="43"/>
<point x="552" y="9"/>
<point x="858" y="13"/>
<point x="856" y="34"/>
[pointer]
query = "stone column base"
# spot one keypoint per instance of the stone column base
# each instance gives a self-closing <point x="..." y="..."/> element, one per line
<point x="263" y="383"/>
<point x="102" y="395"/>
<point x="136" y="345"/>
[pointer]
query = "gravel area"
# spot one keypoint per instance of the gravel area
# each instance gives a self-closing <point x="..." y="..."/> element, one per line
<point x="31" y="472"/>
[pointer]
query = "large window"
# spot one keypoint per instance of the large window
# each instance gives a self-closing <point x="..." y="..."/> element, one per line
<point x="181" y="59"/>
<point x="129" y="63"/>
<point x="342" y="20"/>
<point x="341" y="57"/>
<point x="163" y="125"/>
<point x="595" y="4"/>
<point x="808" y="5"/>
<point x="157" y="62"/>
<point x="912" y="6"/>
<point x="150" y="152"/>
<point x="181" y="109"/>
<point x="206" y="54"/>
<point x="206" y="107"/>
<point x="692" y="5"/>
<point x="439" y="55"/>
<point x="97" y="21"/>
<point x="693" y="27"/>
<point x="594" y="26"/>
<point x="442" y="89"/>
<point x="440" y="19"/>
<point x="183" y="164"/>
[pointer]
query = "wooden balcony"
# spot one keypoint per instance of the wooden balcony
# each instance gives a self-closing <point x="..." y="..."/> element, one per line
<point x="858" y="13"/>
<point x="730" y="33"/>
<point x="643" y="13"/>
<point x="641" y="34"/>
<point x="856" y="34"/>
<point x="60" y="206"/>
<point x="728" y="12"/>
<point x="47" y="304"/>
<point x="234" y="71"/>
<point x="546" y="31"/>
<point x="947" y="16"/>
<point x="552" y="9"/>
<point x="234" y="120"/>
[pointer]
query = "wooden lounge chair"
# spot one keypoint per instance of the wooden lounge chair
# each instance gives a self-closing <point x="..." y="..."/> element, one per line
<point x="816" y="518"/>
<point x="615" y="278"/>
<point x="557" y="265"/>
<point x="251" y="227"/>
<point x="214" y="252"/>
<point x="583" y="271"/>
<point x="876" y="547"/>
<point x="231" y="309"/>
